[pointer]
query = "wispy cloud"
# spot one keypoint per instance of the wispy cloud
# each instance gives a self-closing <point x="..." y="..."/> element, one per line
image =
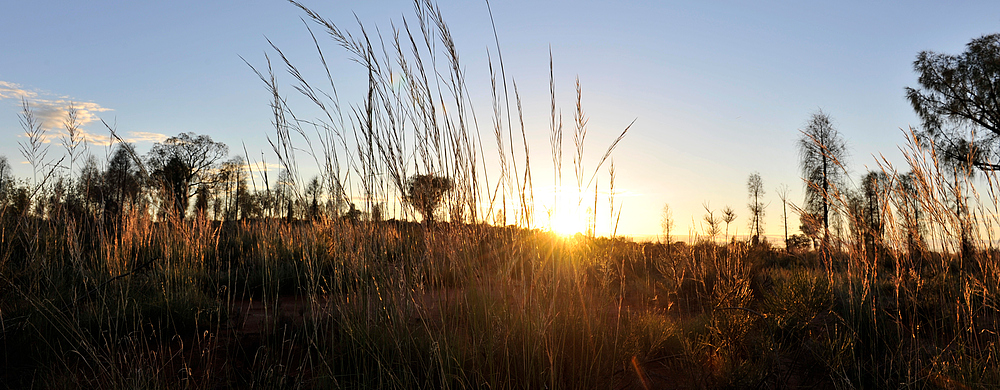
<point x="10" y="90"/>
<point x="51" y="111"/>
<point x="142" y="136"/>
<point x="106" y="139"/>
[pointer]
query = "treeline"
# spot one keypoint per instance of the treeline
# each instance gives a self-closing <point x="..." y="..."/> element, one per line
<point x="927" y="207"/>
<point x="185" y="176"/>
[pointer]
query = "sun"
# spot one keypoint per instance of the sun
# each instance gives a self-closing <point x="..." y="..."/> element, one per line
<point x="566" y="218"/>
<point x="567" y="223"/>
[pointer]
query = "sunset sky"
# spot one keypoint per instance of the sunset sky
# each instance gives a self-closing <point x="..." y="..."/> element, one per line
<point x="718" y="90"/>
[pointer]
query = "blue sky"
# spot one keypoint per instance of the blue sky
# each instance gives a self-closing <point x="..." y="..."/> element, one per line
<point x="718" y="89"/>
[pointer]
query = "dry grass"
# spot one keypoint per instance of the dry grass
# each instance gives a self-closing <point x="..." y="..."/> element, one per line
<point x="342" y="302"/>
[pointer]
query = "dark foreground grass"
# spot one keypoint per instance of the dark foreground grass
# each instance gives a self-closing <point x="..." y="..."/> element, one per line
<point x="402" y="305"/>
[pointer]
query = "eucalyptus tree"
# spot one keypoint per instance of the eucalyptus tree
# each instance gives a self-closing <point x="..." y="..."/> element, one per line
<point x="822" y="151"/>
<point x="123" y="183"/>
<point x="957" y="101"/>
<point x="231" y="184"/>
<point x="424" y="193"/>
<point x="182" y="164"/>
<point x="755" y="193"/>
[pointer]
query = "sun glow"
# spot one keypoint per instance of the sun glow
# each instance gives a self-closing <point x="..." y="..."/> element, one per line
<point x="567" y="224"/>
<point x="567" y="217"/>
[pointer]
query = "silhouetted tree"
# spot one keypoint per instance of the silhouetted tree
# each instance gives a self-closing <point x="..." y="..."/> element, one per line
<point x="712" y="230"/>
<point x="182" y="164"/>
<point x="245" y="201"/>
<point x="957" y="101"/>
<point x="875" y="189"/>
<point x="666" y="222"/>
<point x="284" y="195"/>
<point x="173" y="181"/>
<point x="866" y="207"/>
<point x="909" y="212"/>
<point x="313" y="192"/>
<point x="783" y="195"/>
<point x="353" y="214"/>
<point x="20" y="201"/>
<point x="231" y="178"/>
<point x="798" y="242"/>
<point x="201" y="200"/>
<point x="822" y="151"/>
<point x="728" y="216"/>
<point x="91" y="187"/>
<point x="424" y="193"/>
<point x="755" y="192"/>
<point x="123" y="184"/>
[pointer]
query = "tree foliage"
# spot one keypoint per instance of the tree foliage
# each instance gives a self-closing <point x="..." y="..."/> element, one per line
<point x="822" y="152"/>
<point x="424" y="193"/>
<point x="182" y="163"/>
<point x="958" y="101"/>
<point x="123" y="181"/>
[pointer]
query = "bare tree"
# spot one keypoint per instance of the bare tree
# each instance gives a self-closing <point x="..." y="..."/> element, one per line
<point x="755" y="191"/>
<point x="783" y="195"/>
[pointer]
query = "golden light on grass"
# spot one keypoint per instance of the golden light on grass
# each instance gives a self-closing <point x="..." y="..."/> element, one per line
<point x="271" y="289"/>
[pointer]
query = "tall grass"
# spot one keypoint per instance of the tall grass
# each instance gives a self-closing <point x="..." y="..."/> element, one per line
<point x="484" y="300"/>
